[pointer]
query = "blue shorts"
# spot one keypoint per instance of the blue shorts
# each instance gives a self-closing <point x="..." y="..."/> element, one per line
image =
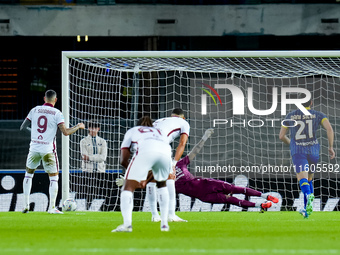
<point x="305" y="162"/>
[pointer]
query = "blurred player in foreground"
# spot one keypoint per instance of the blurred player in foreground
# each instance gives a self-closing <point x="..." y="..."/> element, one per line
<point x="152" y="152"/>
<point x="44" y="121"/>
<point x="211" y="190"/>
<point x="305" y="148"/>
<point x="172" y="127"/>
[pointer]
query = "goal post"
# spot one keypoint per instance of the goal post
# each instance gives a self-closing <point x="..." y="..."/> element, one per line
<point x="65" y="164"/>
<point x="241" y="94"/>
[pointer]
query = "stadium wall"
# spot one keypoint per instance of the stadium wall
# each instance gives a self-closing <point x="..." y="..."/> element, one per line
<point x="169" y="20"/>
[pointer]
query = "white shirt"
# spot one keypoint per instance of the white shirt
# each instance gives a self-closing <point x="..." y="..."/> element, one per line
<point x="141" y="138"/>
<point x="44" y="125"/>
<point x="172" y="127"/>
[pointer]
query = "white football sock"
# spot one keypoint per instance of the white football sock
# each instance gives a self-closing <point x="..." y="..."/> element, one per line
<point x="27" y="185"/>
<point x="172" y="197"/>
<point x="53" y="190"/>
<point x="163" y="198"/>
<point x="151" y="194"/>
<point x="264" y="195"/>
<point x="126" y="206"/>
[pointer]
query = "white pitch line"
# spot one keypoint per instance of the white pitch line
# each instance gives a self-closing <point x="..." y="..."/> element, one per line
<point x="174" y="251"/>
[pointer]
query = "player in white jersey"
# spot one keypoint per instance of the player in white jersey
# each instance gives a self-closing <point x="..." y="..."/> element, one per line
<point x="172" y="127"/>
<point x="44" y="121"/>
<point x="152" y="152"/>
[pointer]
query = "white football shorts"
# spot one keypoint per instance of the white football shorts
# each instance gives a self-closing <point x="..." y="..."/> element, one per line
<point x="155" y="158"/>
<point x="49" y="161"/>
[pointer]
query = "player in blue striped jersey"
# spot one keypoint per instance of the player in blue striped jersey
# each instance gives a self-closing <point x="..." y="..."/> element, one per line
<point x="305" y="148"/>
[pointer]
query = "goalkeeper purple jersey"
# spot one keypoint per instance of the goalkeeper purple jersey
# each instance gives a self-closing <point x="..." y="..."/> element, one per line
<point x="182" y="172"/>
<point x="185" y="182"/>
<point x="206" y="189"/>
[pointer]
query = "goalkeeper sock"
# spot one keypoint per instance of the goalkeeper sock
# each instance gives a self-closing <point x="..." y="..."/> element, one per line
<point x="241" y="190"/>
<point x="311" y="186"/>
<point x="241" y="203"/>
<point x="163" y="198"/>
<point x="126" y="207"/>
<point x="172" y="197"/>
<point x="53" y="190"/>
<point x="151" y="194"/>
<point x="27" y="185"/>
<point x="305" y="188"/>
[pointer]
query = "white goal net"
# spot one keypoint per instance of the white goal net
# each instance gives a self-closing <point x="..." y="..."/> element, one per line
<point x="239" y="94"/>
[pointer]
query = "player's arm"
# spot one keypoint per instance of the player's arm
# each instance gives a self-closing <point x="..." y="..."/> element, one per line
<point x="330" y="135"/>
<point x="192" y="154"/>
<point x="283" y="135"/>
<point x="71" y="130"/>
<point x="25" y="126"/>
<point x="124" y="157"/>
<point x="181" y="146"/>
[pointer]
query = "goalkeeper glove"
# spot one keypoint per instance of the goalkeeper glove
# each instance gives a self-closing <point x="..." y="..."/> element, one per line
<point x="207" y="134"/>
<point x="120" y="180"/>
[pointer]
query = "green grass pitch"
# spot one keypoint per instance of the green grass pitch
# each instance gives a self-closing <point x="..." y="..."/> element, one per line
<point x="205" y="233"/>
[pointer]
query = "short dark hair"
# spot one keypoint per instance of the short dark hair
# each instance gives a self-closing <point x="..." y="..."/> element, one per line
<point x="177" y="111"/>
<point x="145" y="121"/>
<point x="93" y="124"/>
<point x="49" y="94"/>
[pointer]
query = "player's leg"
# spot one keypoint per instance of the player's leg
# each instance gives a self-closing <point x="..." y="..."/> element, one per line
<point x="310" y="197"/>
<point x="51" y="166"/>
<point x="126" y="201"/>
<point x="163" y="198"/>
<point x="151" y="195"/>
<point x="221" y="198"/>
<point x="32" y="162"/>
<point x="160" y="171"/>
<point x="53" y="192"/>
<point x="126" y="205"/>
<point x="249" y="192"/>
<point x="137" y="171"/>
<point x="245" y="203"/>
<point x="172" y="202"/>
<point x="27" y="185"/>
<point x="312" y="161"/>
<point x="216" y="192"/>
<point x="301" y="167"/>
<point x="228" y="188"/>
<point x="170" y="183"/>
<point x="310" y="181"/>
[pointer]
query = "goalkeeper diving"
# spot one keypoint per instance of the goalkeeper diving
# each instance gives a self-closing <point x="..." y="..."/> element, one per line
<point x="211" y="190"/>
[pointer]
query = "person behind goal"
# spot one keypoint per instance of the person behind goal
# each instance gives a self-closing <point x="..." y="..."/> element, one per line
<point x="44" y="121"/>
<point x="172" y="127"/>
